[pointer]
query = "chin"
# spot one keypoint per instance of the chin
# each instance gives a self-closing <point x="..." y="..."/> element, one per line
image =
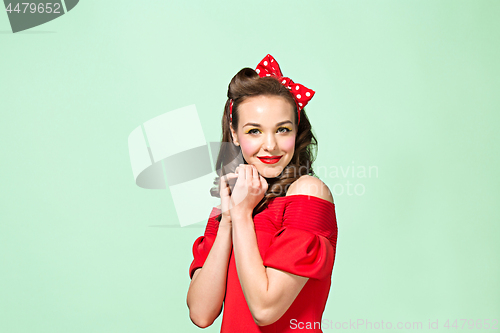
<point x="270" y="172"/>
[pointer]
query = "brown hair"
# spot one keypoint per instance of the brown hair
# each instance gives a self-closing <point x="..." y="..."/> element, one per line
<point x="247" y="83"/>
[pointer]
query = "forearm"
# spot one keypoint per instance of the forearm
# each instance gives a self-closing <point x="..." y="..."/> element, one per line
<point x="249" y="265"/>
<point x="208" y="286"/>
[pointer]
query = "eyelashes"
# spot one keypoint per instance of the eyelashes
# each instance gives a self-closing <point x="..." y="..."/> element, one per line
<point x="251" y="131"/>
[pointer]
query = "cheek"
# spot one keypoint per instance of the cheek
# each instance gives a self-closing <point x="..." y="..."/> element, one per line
<point x="288" y="144"/>
<point x="249" y="147"/>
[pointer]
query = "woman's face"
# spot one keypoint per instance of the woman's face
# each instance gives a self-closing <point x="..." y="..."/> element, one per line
<point x="266" y="128"/>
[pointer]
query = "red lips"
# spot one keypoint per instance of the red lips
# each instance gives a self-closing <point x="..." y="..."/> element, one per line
<point x="270" y="159"/>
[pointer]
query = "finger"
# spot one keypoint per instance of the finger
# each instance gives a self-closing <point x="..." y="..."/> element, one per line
<point x="229" y="176"/>
<point x="223" y="188"/>
<point x="264" y="183"/>
<point x="255" y="172"/>
<point x="239" y="168"/>
<point x="248" y="172"/>
<point x="241" y="171"/>
<point x="231" y="180"/>
<point x="255" y="177"/>
<point x="241" y="175"/>
<point x="225" y="180"/>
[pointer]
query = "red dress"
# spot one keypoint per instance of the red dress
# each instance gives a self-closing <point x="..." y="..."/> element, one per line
<point x="296" y="234"/>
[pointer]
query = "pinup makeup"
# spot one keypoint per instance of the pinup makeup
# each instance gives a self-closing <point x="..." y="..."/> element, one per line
<point x="264" y="139"/>
<point x="270" y="159"/>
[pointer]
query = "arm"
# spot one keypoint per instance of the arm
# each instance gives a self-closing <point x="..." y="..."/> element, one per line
<point x="208" y="286"/>
<point x="269" y="292"/>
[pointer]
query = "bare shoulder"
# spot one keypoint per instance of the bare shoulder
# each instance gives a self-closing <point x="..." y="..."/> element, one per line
<point x="310" y="185"/>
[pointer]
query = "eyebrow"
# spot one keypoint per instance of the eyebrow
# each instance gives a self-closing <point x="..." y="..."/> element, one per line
<point x="258" y="125"/>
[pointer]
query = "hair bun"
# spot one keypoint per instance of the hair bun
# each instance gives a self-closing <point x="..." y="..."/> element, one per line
<point x="241" y="83"/>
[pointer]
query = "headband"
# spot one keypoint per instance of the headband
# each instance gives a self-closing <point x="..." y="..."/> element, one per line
<point x="269" y="67"/>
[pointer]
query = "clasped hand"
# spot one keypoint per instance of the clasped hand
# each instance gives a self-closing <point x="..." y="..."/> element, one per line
<point x="248" y="191"/>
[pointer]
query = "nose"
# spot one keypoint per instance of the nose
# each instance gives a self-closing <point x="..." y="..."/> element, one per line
<point x="270" y="143"/>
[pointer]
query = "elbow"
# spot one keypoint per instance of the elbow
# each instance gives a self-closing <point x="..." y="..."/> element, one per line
<point x="201" y="317"/>
<point x="200" y="321"/>
<point x="198" y="317"/>
<point x="264" y="317"/>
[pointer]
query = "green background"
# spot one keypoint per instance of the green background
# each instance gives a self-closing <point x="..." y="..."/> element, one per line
<point x="408" y="87"/>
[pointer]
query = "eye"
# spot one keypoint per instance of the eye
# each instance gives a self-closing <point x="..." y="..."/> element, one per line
<point x="251" y="131"/>
<point x="280" y="130"/>
<point x="285" y="128"/>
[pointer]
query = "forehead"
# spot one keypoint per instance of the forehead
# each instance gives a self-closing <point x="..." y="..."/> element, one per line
<point x="265" y="110"/>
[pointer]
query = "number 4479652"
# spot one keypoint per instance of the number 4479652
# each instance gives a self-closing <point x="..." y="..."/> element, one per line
<point x="47" y="7"/>
<point x="471" y="323"/>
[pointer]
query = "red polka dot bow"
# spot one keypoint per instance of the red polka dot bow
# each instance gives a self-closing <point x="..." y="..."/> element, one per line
<point x="269" y="67"/>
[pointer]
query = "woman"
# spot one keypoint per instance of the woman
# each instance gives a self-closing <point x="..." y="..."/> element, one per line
<point x="268" y="250"/>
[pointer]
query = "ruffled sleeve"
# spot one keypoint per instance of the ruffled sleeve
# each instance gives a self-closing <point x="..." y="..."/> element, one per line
<point x="305" y="245"/>
<point x="203" y="244"/>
